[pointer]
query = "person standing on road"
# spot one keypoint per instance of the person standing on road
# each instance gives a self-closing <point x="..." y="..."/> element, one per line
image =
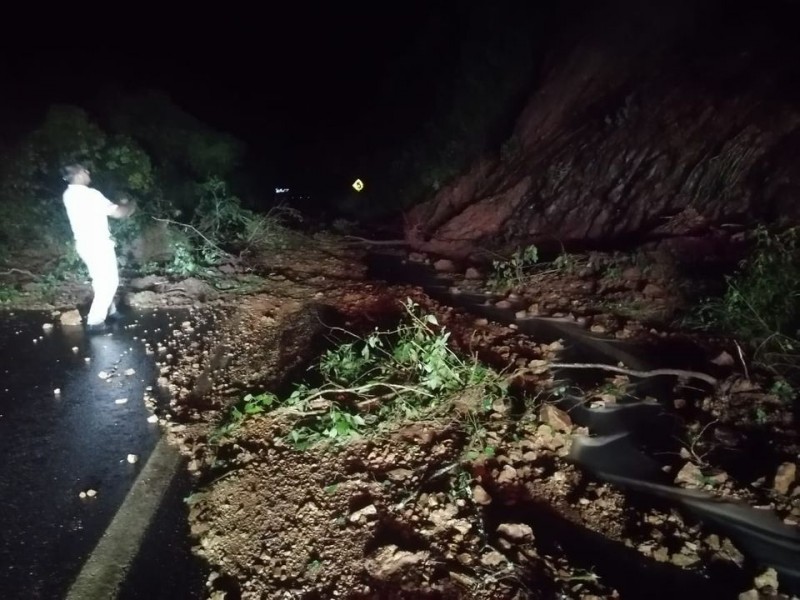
<point x="88" y="211"/>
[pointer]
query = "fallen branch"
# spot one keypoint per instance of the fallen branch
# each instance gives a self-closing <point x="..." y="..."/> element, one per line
<point x="741" y="358"/>
<point x="193" y="228"/>
<point x="641" y="374"/>
<point x="360" y="240"/>
<point x="21" y="272"/>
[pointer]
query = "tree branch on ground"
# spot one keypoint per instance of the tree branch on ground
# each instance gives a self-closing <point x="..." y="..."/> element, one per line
<point x="641" y="374"/>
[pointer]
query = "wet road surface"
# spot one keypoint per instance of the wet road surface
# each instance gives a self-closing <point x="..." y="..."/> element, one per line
<point x="56" y="444"/>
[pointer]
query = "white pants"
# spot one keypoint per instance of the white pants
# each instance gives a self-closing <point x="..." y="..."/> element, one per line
<point x="101" y="261"/>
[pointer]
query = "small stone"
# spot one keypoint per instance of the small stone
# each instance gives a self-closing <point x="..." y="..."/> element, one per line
<point x="364" y="513"/>
<point x="47" y="327"/>
<point x="444" y="265"/>
<point x="472" y="273"/>
<point x="632" y="274"/>
<point x="482" y="322"/>
<point x="132" y="458"/>
<point x="684" y="560"/>
<point x="661" y="554"/>
<point x="399" y="474"/>
<point x="768" y="579"/>
<point x="480" y="496"/>
<point x="129" y="372"/>
<point x="120" y="401"/>
<point x="749" y="595"/>
<point x="465" y="558"/>
<point x="492" y="559"/>
<point x="555" y="417"/>
<point x="57" y="392"/>
<point x="597" y="328"/>
<point x="90" y="493"/>
<point x="723" y="359"/>
<point x="520" y="314"/>
<point x="82" y="495"/>
<point x="690" y="476"/>
<point x="389" y="561"/>
<point x="71" y="318"/>
<point x="784" y="478"/>
<point x="503" y="304"/>
<point x="152" y="419"/>
<point x="651" y="290"/>
<point x="507" y="475"/>
<point x="519" y="532"/>
<point x="463" y="580"/>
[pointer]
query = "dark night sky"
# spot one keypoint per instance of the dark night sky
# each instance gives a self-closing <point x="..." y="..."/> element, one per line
<point x="283" y="80"/>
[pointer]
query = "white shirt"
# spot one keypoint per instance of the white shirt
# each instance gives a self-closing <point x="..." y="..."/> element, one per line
<point x="88" y="210"/>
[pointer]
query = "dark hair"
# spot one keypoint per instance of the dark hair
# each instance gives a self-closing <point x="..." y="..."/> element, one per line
<point x="71" y="171"/>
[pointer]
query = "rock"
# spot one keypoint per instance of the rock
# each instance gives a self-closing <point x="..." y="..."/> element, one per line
<point x="768" y="579"/>
<point x="507" y="475"/>
<point x="388" y="561"/>
<point x="684" y="560"/>
<point x="723" y="359"/>
<point x="661" y="554"/>
<point x="492" y="559"/>
<point x="784" y="478"/>
<point x="466" y="559"/>
<point x="632" y="274"/>
<point x="518" y="532"/>
<point x="417" y="257"/>
<point x="364" y="513"/>
<point x="503" y="305"/>
<point x="750" y="595"/>
<point x="143" y="299"/>
<point x="399" y="474"/>
<point x="70" y="318"/>
<point x="472" y="273"/>
<point x="444" y="265"/>
<point x="463" y="580"/>
<point x="555" y="417"/>
<point x="480" y="496"/>
<point x="651" y="290"/>
<point x="713" y="542"/>
<point x="731" y="553"/>
<point x="139" y="284"/>
<point x="690" y="476"/>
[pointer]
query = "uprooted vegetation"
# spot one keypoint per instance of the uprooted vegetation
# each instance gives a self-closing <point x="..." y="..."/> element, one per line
<point x="408" y="372"/>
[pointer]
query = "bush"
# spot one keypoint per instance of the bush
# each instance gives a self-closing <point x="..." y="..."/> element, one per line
<point x="761" y="304"/>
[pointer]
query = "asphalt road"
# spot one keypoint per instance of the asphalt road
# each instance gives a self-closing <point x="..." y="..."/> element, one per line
<point x="65" y="430"/>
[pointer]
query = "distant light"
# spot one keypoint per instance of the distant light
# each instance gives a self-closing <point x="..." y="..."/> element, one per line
<point x="281" y="190"/>
<point x="358" y="185"/>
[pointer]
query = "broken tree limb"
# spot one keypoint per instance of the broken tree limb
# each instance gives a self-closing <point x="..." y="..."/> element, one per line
<point x="366" y="242"/>
<point x="641" y="374"/>
<point x="21" y="272"/>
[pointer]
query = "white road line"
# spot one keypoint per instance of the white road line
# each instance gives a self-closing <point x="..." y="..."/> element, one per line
<point x="107" y="566"/>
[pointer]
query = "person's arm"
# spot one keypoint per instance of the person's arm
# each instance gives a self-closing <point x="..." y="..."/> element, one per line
<point x="122" y="210"/>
